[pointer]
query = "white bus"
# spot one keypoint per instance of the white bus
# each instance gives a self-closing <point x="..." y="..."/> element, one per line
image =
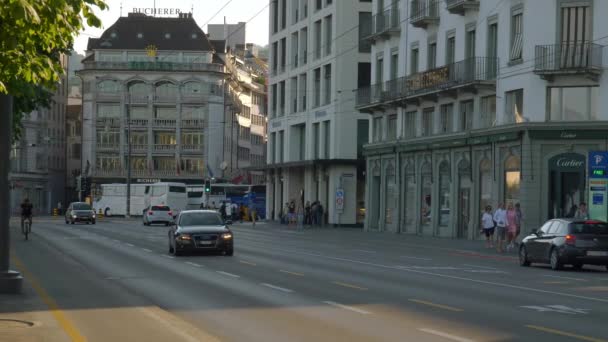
<point x="113" y="199"/>
<point x="172" y="195"/>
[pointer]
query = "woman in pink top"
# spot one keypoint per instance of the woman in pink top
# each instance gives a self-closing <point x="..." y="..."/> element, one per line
<point x="511" y="226"/>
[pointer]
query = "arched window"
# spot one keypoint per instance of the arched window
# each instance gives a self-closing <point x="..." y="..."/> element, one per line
<point x="138" y="88"/>
<point x="375" y="197"/>
<point x="445" y="185"/>
<point x="409" y="204"/>
<point x="109" y="86"/>
<point x="426" y="188"/>
<point x="192" y="88"/>
<point x="390" y="199"/>
<point x="166" y="89"/>
<point x="512" y="179"/>
<point x="485" y="185"/>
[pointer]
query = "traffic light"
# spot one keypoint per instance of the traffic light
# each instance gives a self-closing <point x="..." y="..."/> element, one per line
<point x="207" y="186"/>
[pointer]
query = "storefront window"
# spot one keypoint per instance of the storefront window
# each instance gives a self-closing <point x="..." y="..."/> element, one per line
<point x="445" y="185"/>
<point x="375" y="198"/>
<point x="464" y="199"/>
<point x="485" y="181"/>
<point x="390" y="198"/>
<point x="512" y="180"/>
<point x="572" y="103"/>
<point x="410" y="199"/>
<point x="426" y="190"/>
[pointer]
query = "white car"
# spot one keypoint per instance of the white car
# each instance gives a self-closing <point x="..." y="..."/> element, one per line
<point x="158" y="214"/>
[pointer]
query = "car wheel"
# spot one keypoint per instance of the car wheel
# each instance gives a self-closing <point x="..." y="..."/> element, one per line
<point x="170" y="248"/>
<point x="555" y="262"/>
<point x="67" y="222"/>
<point x="229" y="252"/>
<point x="93" y="222"/>
<point x="73" y="222"/>
<point x="523" y="256"/>
<point x="167" y="224"/>
<point x="577" y="266"/>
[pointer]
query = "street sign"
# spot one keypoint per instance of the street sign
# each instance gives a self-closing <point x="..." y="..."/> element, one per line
<point x="340" y="199"/>
<point x="597" y="186"/>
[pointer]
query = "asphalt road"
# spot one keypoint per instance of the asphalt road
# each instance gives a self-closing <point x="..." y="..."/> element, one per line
<point x="116" y="281"/>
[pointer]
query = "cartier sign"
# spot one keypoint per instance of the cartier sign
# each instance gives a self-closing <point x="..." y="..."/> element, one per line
<point x="567" y="161"/>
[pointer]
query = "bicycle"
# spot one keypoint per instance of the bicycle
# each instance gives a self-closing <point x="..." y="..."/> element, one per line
<point x="26" y="227"/>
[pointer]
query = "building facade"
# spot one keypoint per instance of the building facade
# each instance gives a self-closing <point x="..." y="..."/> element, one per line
<point x="38" y="159"/>
<point x="317" y="61"/>
<point x="73" y="130"/>
<point x="158" y="82"/>
<point x="476" y="103"/>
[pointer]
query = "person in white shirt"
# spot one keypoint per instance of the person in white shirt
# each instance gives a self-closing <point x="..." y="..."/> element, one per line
<point x="228" y="211"/>
<point x="235" y="212"/>
<point x="487" y="224"/>
<point x="500" y="217"/>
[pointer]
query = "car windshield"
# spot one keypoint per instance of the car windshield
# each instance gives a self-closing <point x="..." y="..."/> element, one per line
<point x="596" y="228"/>
<point x="200" y="219"/>
<point x="159" y="208"/>
<point x="81" y="206"/>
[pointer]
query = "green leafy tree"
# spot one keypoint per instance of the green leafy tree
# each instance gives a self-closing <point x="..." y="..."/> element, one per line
<point x="34" y="34"/>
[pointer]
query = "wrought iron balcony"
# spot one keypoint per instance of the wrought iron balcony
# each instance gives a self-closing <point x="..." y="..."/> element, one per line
<point x="164" y="123"/>
<point x="135" y="123"/>
<point x="137" y="148"/>
<point x="577" y="58"/>
<point x="385" y="23"/>
<point x="196" y="148"/>
<point x="154" y="66"/>
<point x="109" y="122"/>
<point x="137" y="99"/>
<point x="165" y="147"/>
<point x="461" y="6"/>
<point x="424" y="13"/>
<point x="108" y="96"/>
<point x="193" y="123"/>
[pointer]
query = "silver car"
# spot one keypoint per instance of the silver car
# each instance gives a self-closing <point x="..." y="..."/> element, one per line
<point x="158" y="214"/>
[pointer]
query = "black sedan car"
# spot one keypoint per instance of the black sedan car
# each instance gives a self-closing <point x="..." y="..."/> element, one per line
<point x="80" y="212"/>
<point x="198" y="231"/>
<point x="562" y="242"/>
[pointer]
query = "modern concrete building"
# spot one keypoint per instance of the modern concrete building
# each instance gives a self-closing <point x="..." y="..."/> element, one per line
<point x="233" y="34"/>
<point x="162" y="74"/>
<point x="317" y="61"/>
<point x="478" y="102"/>
<point x="38" y="159"/>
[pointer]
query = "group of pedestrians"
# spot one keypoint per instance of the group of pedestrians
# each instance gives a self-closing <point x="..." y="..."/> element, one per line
<point x="311" y="214"/>
<point x="230" y="211"/>
<point x="506" y="223"/>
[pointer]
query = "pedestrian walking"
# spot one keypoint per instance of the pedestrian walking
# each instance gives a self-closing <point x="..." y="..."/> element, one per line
<point x="487" y="224"/>
<point x="228" y="209"/>
<point x="313" y="212"/>
<point x="320" y="214"/>
<point x="307" y="214"/>
<point x="223" y="210"/>
<point x="511" y="226"/>
<point x="235" y="212"/>
<point x="582" y="212"/>
<point x="519" y="216"/>
<point x="500" y="217"/>
<point x="292" y="213"/>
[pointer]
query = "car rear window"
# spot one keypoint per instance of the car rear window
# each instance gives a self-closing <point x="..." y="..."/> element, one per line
<point x="597" y="228"/>
<point x="81" y="206"/>
<point x="159" y="208"/>
<point x="180" y="189"/>
<point x="200" y="219"/>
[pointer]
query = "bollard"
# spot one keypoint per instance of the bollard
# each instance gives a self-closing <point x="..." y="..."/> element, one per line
<point x="55" y="212"/>
<point x="100" y="214"/>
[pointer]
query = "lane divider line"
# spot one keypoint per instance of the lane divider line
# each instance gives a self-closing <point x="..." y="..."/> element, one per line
<point x="292" y="273"/>
<point x="560" y="277"/>
<point x="193" y="264"/>
<point x="167" y="256"/>
<point x="435" y="305"/>
<point x="347" y="307"/>
<point x="364" y="251"/>
<point x="477" y="266"/>
<point x="349" y="285"/>
<point x="565" y="333"/>
<point x="277" y="287"/>
<point x="228" y="274"/>
<point x="130" y="245"/>
<point x="247" y="263"/>
<point x="445" y="335"/>
<point x="415" y="258"/>
<point x="68" y="327"/>
<point x="146" y="250"/>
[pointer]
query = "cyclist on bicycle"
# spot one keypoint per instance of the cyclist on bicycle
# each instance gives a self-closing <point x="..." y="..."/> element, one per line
<point x="26" y="212"/>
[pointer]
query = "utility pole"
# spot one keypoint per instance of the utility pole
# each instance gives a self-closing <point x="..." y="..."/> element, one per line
<point x="128" y="213"/>
<point x="10" y="281"/>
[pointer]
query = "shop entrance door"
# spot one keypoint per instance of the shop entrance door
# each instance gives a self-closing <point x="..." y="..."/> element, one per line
<point x="566" y="184"/>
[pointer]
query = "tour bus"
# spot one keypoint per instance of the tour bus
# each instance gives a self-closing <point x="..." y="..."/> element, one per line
<point x="172" y="195"/>
<point x="247" y="195"/>
<point x="113" y="199"/>
<point x="195" y="196"/>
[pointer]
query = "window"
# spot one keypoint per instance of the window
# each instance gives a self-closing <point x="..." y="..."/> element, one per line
<point x="193" y="112"/>
<point x="76" y="148"/>
<point x="327" y="84"/>
<point x="488" y="111"/>
<point x="318" y="39"/>
<point x="392" y="127"/>
<point x="109" y="86"/>
<point x="445" y="183"/>
<point x="327" y="125"/>
<point x="316" y="140"/>
<point x="192" y="88"/>
<point x="164" y="138"/>
<point x="275" y="16"/>
<point x="466" y="115"/>
<point x="447" y="112"/>
<point x="575" y="24"/>
<point x="283" y="14"/>
<point x="365" y="30"/>
<point x="514" y="111"/>
<point x="394" y="65"/>
<point x="192" y="139"/>
<point x="470" y="44"/>
<point x="294" y="50"/>
<point x="274" y="56"/>
<point x="318" y="4"/>
<point x="275" y="95"/>
<point x="328" y="34"/>
<point x="303" y="91"/>
<point x="304" y="46"/>
<point x="414" y="61"/>
<point x="317" y="87"/>
<point x="432" y="56"/>
<point x="409" y="130"/>
<point x="512" y="179"/>
<point x="450" y="50"/>
<point x="378" y="129"/>
<point x="282" y="98"/>
<point x="517" y="35"/>
<point x="281" y="146"/>
<point x="283" y="46"/>
<point x="379" y="70"/>
<point x="427" y="121"/>
<point x="572" y="103"/>
<point x="545" y="228"/>
<point x="108" y="111"/>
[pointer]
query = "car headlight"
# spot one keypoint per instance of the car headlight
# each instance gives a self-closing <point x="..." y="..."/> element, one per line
<point x="184" y="237"/>
<point x="74" y="216"/>
<point x="93" y="215"/>
<point x="227" y="236"/>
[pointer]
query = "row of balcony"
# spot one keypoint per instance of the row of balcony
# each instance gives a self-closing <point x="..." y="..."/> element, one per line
<point x="160" y="148"/>
<point x="145" y="99"/>
<point x="159" y="123"/>
<point x="147" y="173"/>
<point x="154" y="66"/>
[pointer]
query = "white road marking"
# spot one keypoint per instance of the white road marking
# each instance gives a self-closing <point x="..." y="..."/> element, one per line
<point x="557" y="308"/>
<point x="445" y="335"/>
<point x="193" y="264"/>
<point x="130" y="245"/>
<point x="228" y="274"/>
<point x="167" y="256"/>
<point x="276" y="287"/>
<point x="560" y="277"/>
<point x="363" y="251"/>
<point x="477" y="266"/>
<point x="524" y="288"/>
<point x="116" y="240"/>
<point x="346" y="307"/>
<point x="146" y="250"/>
<point x="415" y="258"/>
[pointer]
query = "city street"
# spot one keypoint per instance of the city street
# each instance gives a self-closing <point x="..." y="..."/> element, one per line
<point x="116" y="281"/>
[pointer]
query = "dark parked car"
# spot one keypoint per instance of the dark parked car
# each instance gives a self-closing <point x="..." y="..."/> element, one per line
<point x="80" y="212"/>
<point x="200" y="230"/>
<point x="567" y="241"/>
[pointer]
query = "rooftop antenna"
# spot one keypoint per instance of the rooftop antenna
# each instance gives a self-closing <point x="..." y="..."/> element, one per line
<point x="121" y="9"/>
<point x="192" y="9"/>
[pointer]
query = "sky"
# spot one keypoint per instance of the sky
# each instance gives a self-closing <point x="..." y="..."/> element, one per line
<point x="204" y="11"/>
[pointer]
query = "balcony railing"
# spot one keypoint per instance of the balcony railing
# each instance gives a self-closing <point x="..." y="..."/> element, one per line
<point x="137" y="99"/>
<point x="424" y="12"/>
<point x="461" y="6"/>
<point x="462" y="73"/>
<point x="568" y="58"/>
<point x="192" y="148"/>
<point x="386" y="22"/>
<point x="107" y="96"/>
<point x="165" y="147"/>
<point x="138" y="148"/>
<point x="107" y="146"/>
<point x="172" y="173"/>
<point x="169" y="123"/>
<point x="193" y="123"/>
<point x="138" y="123"/>
<point x="165" y="98"/>
<point x="110" y="122"/>
<point x="154" y="66"/>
